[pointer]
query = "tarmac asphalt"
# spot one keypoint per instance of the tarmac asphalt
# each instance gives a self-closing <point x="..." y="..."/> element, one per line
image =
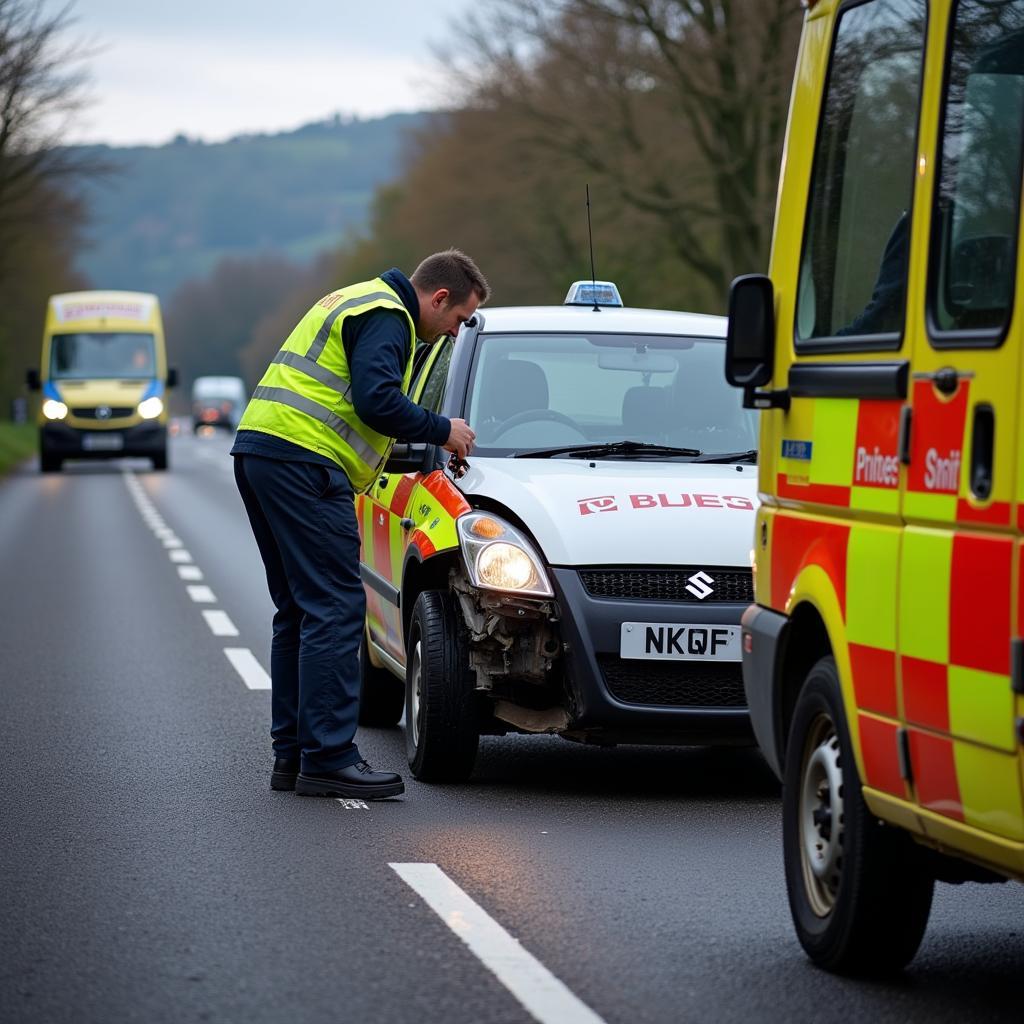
<point x="148" y="873"/>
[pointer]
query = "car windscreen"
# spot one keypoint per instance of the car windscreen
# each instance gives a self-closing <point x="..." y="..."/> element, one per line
<point x="542" y="391"/>
<point x="85" y="355"/>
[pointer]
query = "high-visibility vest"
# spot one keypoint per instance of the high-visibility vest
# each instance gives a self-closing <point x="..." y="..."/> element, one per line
<point x="305" y="395"/>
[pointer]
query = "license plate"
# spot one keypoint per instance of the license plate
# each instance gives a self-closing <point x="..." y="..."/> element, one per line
<point x="670" y="641"/>
<point x="102" y="442"/>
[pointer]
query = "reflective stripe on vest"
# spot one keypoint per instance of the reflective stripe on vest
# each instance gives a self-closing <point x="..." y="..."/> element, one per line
<point x="313" y="369"/>
<point x="316" y="348"/>
<point x="368" y="455"/>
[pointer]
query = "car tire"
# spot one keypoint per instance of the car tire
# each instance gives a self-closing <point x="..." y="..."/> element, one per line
<point x="381" y="694"/>
<point x="859" y="891"/>
<point x="441" y="729"/>
<point x="160" y="461"/>
<point x="49" y="463"/>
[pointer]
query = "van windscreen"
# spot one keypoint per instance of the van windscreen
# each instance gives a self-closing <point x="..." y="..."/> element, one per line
<point x="87" y="355"/>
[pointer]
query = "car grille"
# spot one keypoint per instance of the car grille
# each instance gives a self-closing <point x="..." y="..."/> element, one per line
<point x="116" y="412"/>
<point x="694" y="684"/>
<point x="668" y="584"/>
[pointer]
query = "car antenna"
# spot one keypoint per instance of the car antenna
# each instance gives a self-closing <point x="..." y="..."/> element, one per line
<point x="590" y="235"/>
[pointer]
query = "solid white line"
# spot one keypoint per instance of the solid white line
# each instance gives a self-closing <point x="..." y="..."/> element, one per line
<point x="248" y="668"/>
<point x="201" y="594"/>
<point x="219" y="623"/>
<point x="190" y="572"/>
<point x="180" y="555"/>
<point x="545" y="998"/>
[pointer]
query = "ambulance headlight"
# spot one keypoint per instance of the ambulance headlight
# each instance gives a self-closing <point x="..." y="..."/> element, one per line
<point x="150" y="408"/>
<point x="54" y="410"/>
<point x="499" y="557"/>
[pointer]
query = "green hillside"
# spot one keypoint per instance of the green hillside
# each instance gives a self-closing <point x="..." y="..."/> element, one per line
<point x="169" y="213"/>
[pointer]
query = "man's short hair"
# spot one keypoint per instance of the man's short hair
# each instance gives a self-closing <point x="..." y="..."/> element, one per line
<point x="454" y="270"/>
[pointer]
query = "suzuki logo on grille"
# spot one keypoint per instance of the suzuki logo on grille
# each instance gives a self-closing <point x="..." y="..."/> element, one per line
<point x="699" y="584"/>
<point x="103" y="412"/>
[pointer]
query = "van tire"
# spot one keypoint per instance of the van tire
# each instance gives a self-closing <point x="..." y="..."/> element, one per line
<point x="381" y="694"/>
<point x="160" y="461"/>
<point x="49" y="463"/>
<point x="859" y="891"/>
<point x="442" y="733"/>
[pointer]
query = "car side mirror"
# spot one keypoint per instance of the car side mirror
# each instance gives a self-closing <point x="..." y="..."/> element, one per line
<point x="406" y="458"/>
<point x="33" y="381"/>
<point x="172" y="378"/>
<point x="750" y="341"/>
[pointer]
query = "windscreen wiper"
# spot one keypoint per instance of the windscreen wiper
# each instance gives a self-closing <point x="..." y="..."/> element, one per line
<point x="748" y="456"/>
<point x="608" y="450"/>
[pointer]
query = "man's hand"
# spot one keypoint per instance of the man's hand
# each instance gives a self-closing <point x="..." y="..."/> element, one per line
<point x="460" y="440"/>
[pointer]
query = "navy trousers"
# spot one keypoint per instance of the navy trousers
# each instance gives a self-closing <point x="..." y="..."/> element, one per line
<point x="303" y="518"/>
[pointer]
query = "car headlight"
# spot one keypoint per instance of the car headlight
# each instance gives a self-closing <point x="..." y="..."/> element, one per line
<point x="150" y="408"/>
<point x="54" y="410"/>
<point x="499" y="557"/>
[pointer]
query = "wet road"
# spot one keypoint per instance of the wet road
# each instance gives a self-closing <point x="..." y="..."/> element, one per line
<point x="148" y="873"/>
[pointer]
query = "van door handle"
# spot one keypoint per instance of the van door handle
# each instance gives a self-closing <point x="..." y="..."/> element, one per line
<point x="983" y="443"/>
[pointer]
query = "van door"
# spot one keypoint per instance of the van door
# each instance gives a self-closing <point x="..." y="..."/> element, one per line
<point x="838" y="456"/>
<point x="387" y="506"/>
<point x="958" y="551"/>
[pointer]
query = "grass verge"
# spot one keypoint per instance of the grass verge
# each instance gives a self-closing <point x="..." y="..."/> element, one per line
<point x="17" y="441"/>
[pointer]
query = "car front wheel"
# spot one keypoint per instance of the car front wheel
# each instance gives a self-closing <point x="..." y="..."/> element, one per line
<point x="858" y="890"/>
<point x="441" y="729"/>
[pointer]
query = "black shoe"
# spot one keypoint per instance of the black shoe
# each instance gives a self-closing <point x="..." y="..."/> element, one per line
<point x="357" y="780"/>
<point x="283" y="775"/>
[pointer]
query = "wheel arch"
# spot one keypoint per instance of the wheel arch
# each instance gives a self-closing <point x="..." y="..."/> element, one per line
<point x="419" y="574"/>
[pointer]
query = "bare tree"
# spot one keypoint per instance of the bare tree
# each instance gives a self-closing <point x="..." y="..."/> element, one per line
<point x="40" y="91"/>
<point x="680" y="105"/>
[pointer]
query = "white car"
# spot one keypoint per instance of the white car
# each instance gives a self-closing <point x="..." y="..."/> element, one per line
<point x="586" y="572"/>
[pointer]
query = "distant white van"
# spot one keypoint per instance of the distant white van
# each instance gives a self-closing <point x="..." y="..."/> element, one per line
<point x="218" y="402"/>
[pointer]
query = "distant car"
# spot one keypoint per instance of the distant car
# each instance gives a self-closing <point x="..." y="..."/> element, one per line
<point x="218" y="402"/>
<point x="586" y="573"/>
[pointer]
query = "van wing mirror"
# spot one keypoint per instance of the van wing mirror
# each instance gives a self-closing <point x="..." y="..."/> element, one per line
<point x="750" y="341"/>
<point x="406" y="458"/>
<point x="33" y="381"/>
<point x="172" y="378"/>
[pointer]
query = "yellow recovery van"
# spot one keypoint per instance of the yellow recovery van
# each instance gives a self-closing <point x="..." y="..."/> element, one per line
<point x="884" y="659"/>
<point x="103" y="376"/>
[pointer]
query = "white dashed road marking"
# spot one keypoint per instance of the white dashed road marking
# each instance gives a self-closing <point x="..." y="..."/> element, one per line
<point x="246" y="665"/>
<point x="219" y="623"/>
<point x="242" y="659"/>
<point x="545" y="998"/>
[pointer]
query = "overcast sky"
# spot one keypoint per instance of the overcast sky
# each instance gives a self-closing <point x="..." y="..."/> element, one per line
<point x="216" y="68"/>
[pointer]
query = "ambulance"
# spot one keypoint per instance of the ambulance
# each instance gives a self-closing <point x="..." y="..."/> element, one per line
<point x="883" y="660"/>
<point x="585" y="572"/>
<point x="103" y="379"/>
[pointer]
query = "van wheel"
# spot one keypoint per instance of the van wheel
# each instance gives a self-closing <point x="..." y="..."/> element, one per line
<point x="858" y="889"/>
<point x="381" y="695"/>
<point x="160" y="461"/>
<point x="441" y="729"/>
<point x="49" y="463"/>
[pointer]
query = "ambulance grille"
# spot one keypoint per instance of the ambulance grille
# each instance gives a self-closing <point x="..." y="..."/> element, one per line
<point x="673" y="684"/>
<point x="89" y="412"/>
<point x="735" y="585"/>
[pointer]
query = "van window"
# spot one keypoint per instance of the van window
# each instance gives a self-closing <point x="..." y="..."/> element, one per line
<point x="853" y="273"/>
<point x="974" y="229"/>
<point x="102" y="354"/>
